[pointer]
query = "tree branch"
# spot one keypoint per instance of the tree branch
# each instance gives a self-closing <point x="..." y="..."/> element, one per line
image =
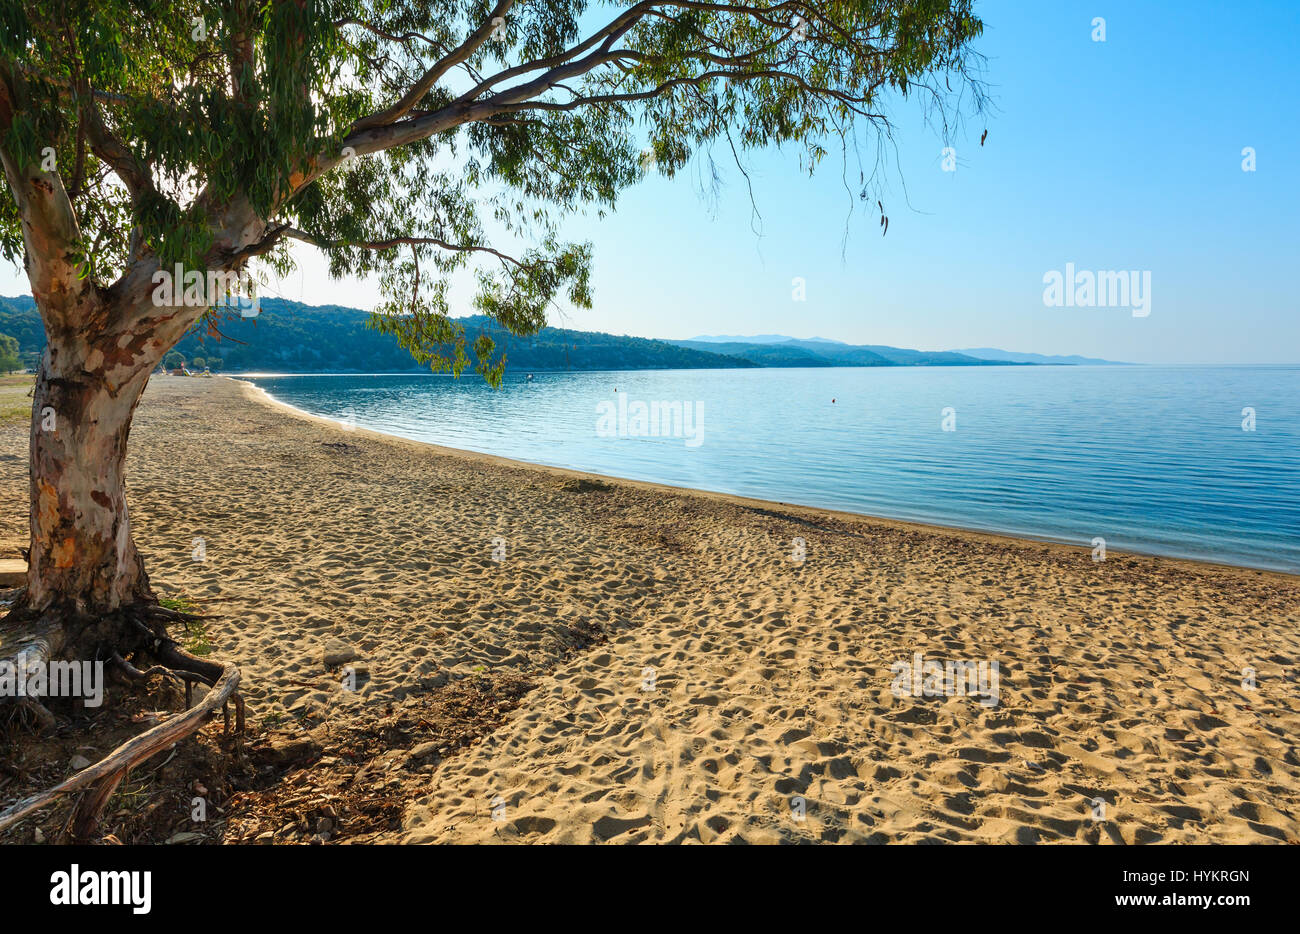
<point x="398" y="241"/>
<point x="49" y="223"/>
<point x="133" y="173"/>
<point x="431" y="76"/>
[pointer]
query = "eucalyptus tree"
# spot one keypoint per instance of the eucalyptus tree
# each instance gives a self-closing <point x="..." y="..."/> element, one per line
<point x="159" y="154"/>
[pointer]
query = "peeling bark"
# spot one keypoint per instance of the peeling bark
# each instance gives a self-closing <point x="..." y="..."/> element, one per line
<point x="83" y="559"/>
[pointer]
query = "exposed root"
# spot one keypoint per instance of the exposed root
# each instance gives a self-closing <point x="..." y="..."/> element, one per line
<point x="183" y="663"/>
<point x="154" y="611"/>
<point x="173" y="656"/>
<point x="100" y="780"/>
<point x="43" y="718"/>
<point x="186" y="678"/>
<point x="105" y="775"/>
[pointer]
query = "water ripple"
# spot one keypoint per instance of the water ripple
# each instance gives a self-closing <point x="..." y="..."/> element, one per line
<point x="1153" y="459"/>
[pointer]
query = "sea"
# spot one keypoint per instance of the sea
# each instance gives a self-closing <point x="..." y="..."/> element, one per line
<point x="1195" y="462"/>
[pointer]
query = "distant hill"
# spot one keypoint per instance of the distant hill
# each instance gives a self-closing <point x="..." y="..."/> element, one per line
<point x="564" y="349"/>
<point x="18" y="318"/>
<point x="767" y="349"/>
<point x="818" y="352"/>
<point x="756" y="339"/>
<point x="783" y="354"/>
<point x="292" y="337"/>
<point x="1010" y="356"/>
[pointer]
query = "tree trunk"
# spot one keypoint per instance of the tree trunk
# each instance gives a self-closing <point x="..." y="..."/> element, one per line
<point x="83" y="560"/>
<point x="87" y="593"/>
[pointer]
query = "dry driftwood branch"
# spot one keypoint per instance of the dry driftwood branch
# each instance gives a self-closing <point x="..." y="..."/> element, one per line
<point x="104" y="775"/>
<point x="32" y="647"/>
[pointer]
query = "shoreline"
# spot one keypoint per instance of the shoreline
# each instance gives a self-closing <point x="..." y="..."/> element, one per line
<point x="989" y="535"/>
<point x="440" y="647"/>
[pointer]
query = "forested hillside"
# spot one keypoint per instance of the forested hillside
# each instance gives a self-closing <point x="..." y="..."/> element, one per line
<point x="291" y="337"/>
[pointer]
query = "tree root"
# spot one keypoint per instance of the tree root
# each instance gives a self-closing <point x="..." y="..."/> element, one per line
<point x="154" y="611"/>
<point x="186" y="678"/>
<point x="104" y="776"/>
<point x="44" y="719"/>
<point x="101" y="779"/>
<point x="185" y="665"/>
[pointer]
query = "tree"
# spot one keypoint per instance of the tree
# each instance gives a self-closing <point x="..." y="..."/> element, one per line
<point x="159" y="152"/>
<point x="10" y="359"/>
<point x="173" y="360"/>
<point x="198" y="363"/>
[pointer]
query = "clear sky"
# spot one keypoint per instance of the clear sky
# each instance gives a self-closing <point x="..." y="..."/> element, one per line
<point x="1117" y="155"/>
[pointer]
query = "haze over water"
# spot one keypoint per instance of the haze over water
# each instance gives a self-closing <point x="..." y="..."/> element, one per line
<point x="1152" y="459"/>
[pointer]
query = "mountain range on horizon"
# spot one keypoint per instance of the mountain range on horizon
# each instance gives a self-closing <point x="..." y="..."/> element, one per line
<point x="293" y="337"/>
<point x="759" y="339"/>
<point x="766" y="344"/>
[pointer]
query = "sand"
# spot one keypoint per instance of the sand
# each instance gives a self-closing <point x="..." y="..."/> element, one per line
<point x="694" y="682"/>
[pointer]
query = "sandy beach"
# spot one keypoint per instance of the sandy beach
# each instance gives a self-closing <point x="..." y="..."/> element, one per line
<point x="679" y="674"/>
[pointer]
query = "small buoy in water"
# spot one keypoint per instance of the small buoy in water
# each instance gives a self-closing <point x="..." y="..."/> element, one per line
<point x="832" y="402"/>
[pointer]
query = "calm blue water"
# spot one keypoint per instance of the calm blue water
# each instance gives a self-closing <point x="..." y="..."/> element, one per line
<point x="1153" y="459"/>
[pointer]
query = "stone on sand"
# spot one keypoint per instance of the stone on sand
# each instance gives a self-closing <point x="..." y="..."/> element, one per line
<point x="337" y="652"/>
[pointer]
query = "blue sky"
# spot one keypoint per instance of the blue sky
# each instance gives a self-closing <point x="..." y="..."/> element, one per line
<point x="1117" y="155"/>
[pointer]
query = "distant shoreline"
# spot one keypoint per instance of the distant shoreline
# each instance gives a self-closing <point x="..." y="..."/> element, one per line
<point x="992" y="535"/>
